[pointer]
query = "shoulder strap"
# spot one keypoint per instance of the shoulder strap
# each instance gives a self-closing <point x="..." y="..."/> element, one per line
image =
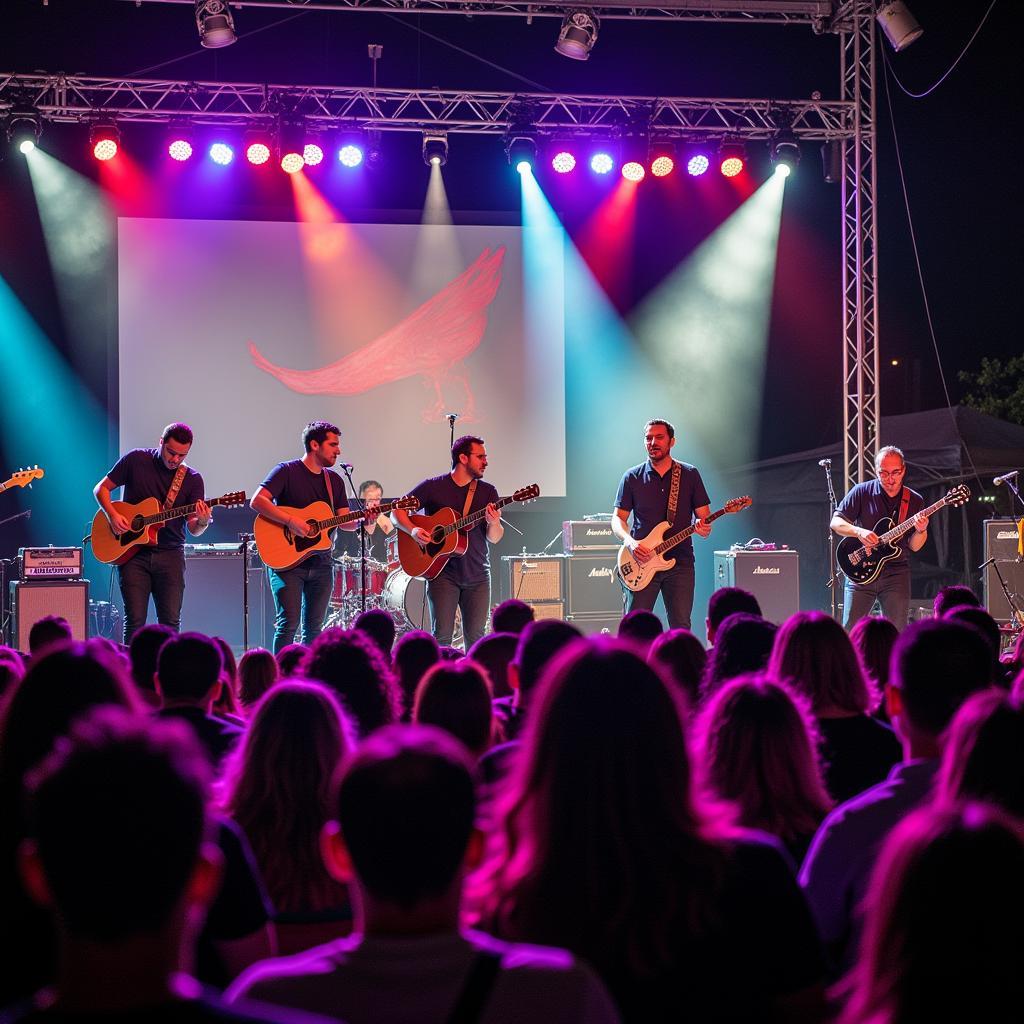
<point x="476" y="991"/>
<point x="172" y="491"/>
<point x="673" y="492"/>
<point x="469" y="497"/>
<point x="904" y="505"/>
<point x="330" y="489"/>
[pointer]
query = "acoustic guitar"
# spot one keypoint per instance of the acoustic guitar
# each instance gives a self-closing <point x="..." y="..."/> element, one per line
<point x="281" y="549"/>
<point x="635" y="575"/>
<point x="23" y="478"/>
<point x="144" y="521"/>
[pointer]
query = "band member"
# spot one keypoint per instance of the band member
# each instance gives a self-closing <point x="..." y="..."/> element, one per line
<point x="157" y="569"/>
<point x="645" y="491"/>
<point x="302" y="592"/>
<point x="375" y="531"/>
<point x="857" y="515"/>
<point x="464" y="582"/>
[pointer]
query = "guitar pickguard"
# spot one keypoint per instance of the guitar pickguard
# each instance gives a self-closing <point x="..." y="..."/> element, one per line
<point x="129" y="537"/>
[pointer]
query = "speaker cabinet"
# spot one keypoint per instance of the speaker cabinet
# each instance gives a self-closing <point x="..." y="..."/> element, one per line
<point x="535" y="578"/>
<point x="592" y="586"/>
<point x="31" y="602"/>
<point x="547" y="610"/>
<point x="1001" y="540"/>
<point x="213" y="600"/>
<point x="773" y="577"/>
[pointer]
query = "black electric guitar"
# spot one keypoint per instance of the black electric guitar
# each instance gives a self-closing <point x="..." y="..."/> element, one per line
<point x="861" y="565"/>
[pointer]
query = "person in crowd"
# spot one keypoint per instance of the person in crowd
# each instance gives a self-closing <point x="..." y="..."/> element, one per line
<point x="119" y="851"/>
<point x="404" y="839"/>
<point x="379" y="626"/>
<point x="257" y="672"/>
<point x="954" y="596"/>
<point x="277" y="790"/>
<point x="227" y="705"/>
<point x="189" y="671"/>
<point x="726" y="601"/>
<point x="47" y="632"/>
<point x="12" y="669"/>
<point x="937" y="665"/>
<point x="450" y="653"/>
<point x="760" y="754"/>
<point x="456" y="697"/>
<point x="604" y="846"/>
<point x="943" y="938"/>
<point x="682" y="656"/>
<point x="289" y="657"/>
<point x="142" y="653"/>
<point x="640" y="628"/>
<point x="873" y="638"/>
<point x="989" y="629"/>
<point x="352" y="666"/>
<point x="814" y="653"/>
<point x="494" y="652"/>
<point x="414" y="653"/>
<point x="743" y="643"/>
<point x="511" y="616"/>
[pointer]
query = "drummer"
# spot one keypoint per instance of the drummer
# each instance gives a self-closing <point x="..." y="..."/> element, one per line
<point x="375" y="531"/>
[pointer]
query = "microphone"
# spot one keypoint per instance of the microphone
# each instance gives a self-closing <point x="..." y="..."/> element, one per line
<point x="347" y="466"/>
<point x="824" y="463"/>
<point x="452" y="416"/>
<point x="1002" y="479"/>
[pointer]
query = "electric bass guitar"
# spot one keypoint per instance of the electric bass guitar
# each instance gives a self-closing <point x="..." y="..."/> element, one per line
<point x="281" y="549"/>
<point x="144" y="521"/>
<point x="449" y="536"/>
<point x="23" y="478"/>
<point x="860" y="565"/>
<point x="635" y="575"/>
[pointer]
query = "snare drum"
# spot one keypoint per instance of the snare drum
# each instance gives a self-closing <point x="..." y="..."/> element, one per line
<point x="348" y="579"/>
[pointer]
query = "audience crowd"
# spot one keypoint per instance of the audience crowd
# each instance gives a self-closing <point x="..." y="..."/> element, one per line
<point x="787" y="824"/>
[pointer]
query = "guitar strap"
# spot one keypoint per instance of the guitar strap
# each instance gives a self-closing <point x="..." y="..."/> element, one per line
<point x="904" y="505"/>
<point x="673" y="492"/>
<point x="172" y="491"/>
<point x="469" y="498"/>
<point x="330" y="490"/>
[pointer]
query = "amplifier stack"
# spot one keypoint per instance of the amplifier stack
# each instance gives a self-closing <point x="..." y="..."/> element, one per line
<point x="50" y="583"/>
<point x="1002" y="543"/>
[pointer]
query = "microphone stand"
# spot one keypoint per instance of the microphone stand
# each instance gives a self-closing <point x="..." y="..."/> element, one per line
<point x="361" y="507"/>
<point x="1010" y="482"/>
<point x="833" y="581"/>
<point x="1012" y="599"/>
<point x="245" y="539"/>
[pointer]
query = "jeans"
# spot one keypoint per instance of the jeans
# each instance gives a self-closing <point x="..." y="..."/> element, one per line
<point x="302" y="592"/>
<point x="444" y="597"/>
<point x="676" y="589"/>
<point x="891" y="590"/>
<point x="156" y="571"/>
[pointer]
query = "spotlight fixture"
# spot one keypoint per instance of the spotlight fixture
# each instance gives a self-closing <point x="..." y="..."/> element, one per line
<point x="312" y="151"/>
<point x="731" y="158"/>
<point x="578" y="34"/>
<point x="374" y="150"/>
<point x="898" y="24"/>
<point x="179" y="143"/>
<point x="258" y="145"/>
<point x="104" y="141"/>
<point x="563" y="161"/>
<point x="662" y="159"/>
<point x="522" y="152"/>
<point x="215" y="23"/>
<point x="293" y="144"/>
<point x="697" y="165"/>
<point x="785" y="153"/>
<point x="23" y="132"/>
<point x="435" y="148"/>
<point x="601" y="162"/>
<point x="633" y="170"/>
<point x="221" y="153"/>
<point x="350" y="155"/>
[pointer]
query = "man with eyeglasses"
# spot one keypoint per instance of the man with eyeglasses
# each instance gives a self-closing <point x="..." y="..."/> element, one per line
<point x="857" y="515"/>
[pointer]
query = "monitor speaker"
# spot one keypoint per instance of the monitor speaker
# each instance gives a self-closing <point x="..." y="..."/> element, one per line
<point x="536" y="578"/>
<point x="1001" y="540"/>
<point x="33" y="601"/>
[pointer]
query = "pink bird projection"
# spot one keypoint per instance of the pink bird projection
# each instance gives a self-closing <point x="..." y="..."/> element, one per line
<point x="432" y="341"/>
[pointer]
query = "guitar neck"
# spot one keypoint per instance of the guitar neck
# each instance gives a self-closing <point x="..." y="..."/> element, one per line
<point x="467" y="522"/>
<point x="678" y="538"/>
<point x="176" y="513"/>
<point x="898" y="531"/>
<point x="351" y="517"/>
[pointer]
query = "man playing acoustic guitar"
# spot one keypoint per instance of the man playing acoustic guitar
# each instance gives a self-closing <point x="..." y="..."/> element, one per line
<point x="857" y="515"/>
<point x="157" y="569"/>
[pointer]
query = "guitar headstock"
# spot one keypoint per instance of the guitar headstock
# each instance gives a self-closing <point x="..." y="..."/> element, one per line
<point x="527" y="493"/>
<point x="958" y="495"/>
<point x="232" y="500"/>
<point x="738" y="504"/>
<point x="406" y="503"/>
<point x="24" y="477"/>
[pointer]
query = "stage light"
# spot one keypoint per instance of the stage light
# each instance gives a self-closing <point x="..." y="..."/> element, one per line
<point x="104" y="140"/>
<point x="697" y="165"/>
<point x="898" y="24"/>
<point x="350" y="155"/>
<point x="179" y="143"/>
<point x="23" y="132"/>
<point x="215" y="23"/>
<point x="522" y="153"/>
<point x="292" y="163"/>
<point x="785" y="153"/>
<point x="563" y="162"/>
<point x="731" y="158"/>
<point x="633" y="170"/>
<point x="601" y="163"/>
<point x="578" y="34"/>
<point x="221" y="153"/>
<point x="258" y="145"/>
<point x="435" y="148"/>
<point x="293" y="143"/>
<point x="312" y="153"/>
<point x="662" y="159"/>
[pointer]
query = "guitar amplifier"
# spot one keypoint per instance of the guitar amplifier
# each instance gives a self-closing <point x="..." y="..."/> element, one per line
<point x="534" y="578"/>
<point x="592" y="586"/>
<point x="773" y="577"/>
<point x="1002" y="538"/>
<point x="50" y="563"/>
<point x="34" y="600"/>
<point x="588" y="535"/>
<point x="547" y="609"/>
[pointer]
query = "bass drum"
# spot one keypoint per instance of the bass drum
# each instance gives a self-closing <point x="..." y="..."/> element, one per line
<point x="405" y="597"/>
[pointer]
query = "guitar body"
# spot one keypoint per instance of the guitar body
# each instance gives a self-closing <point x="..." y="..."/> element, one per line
<point x="280" y="548"/>
<point x="856" y="564"/>
<point x="117" y="550"/>
<point x="635" y="576"/>
<point x="427" y="563"/>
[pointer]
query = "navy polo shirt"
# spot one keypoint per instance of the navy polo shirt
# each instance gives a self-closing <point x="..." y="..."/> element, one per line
<point x="866" y="503"/>
<point x="644" y="492"/>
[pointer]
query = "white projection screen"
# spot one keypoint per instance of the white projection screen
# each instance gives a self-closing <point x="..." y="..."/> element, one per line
<point x="247" y="330"/>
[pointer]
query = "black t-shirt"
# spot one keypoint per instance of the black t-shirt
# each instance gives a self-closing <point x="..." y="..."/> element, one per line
<point x="866" y="503"/>
<point x="440" y="492"/>
<point x="291" y="483"/>
<point x="858" y="753"/>
<point x="143" y="474"/>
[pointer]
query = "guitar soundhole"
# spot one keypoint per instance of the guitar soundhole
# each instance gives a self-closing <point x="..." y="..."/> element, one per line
<point x="137" y="524"/>
<point x="437" y="535"/>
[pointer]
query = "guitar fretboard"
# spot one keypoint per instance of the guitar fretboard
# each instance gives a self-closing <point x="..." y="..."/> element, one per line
<point x="678" y="538"/>
<point x="469" y="521"/>
<point x="176" y="513"/>
<point x="350" y="517"/>
<point x="898" y="531"/>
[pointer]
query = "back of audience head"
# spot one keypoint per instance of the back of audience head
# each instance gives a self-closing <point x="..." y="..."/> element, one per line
<point x="989" y="629"/>
<point x="640" y="628"/>
<point x="257" y="672"/>
<point x="226" y="701"/>
<point x="743" y="643"/>
<point x="942" y="937"/>
<point x="954" y="596"/>
<point x="289" y="658"/>
<point x="353" y="667"/>
<point x="936" y="665"/>
<point x="873" y="638"/>
<point x="48" y="631"/>
<point x="511" y="616"/>
<point x="815" y="654"/>
<point x="682" y="658"/>
<point x="983" y="757"/>
<point x="414" y="653"/>
<point x="189" y="669"/>
<point x="379" y="626"/>
<point x="450" y="653"/>
<point x="760" y="753"/>
<point x="277" y="788"/>
<point x="726" y="601"/>
<point x="143" y="650"/>
<point x="12" y="669"/>
<point x="494" y="652"/>
<point x="456" y="697"/>
<point x="405" y="808"/>
<point x="538" y="645"/>
<point x="117" y="819"/>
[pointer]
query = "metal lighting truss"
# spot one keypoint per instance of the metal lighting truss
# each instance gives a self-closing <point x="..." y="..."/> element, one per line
<point x="849" y="121"/>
